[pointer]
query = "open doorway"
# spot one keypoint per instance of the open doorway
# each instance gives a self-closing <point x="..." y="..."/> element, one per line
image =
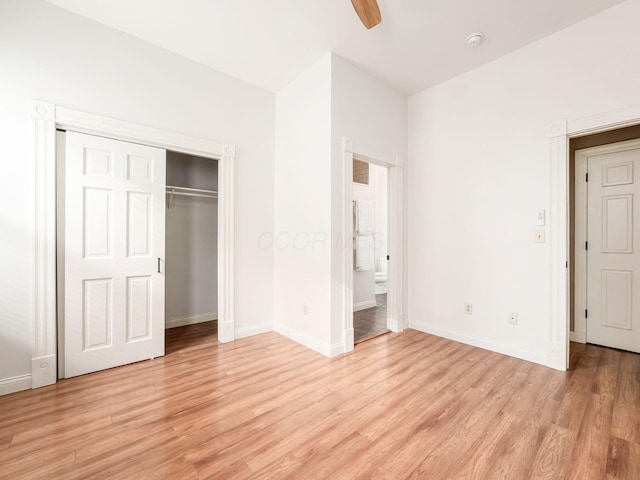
<point x="602" y="259"/>
<point x="370" y="233"/>
<point x="392" y="164"/>
<point x="561" y="248"/>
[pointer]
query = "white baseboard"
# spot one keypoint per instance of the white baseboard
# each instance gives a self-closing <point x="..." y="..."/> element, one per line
<point x="253" y="330"/>
<point x="182" y="321"/>
<point x="364" y="305"/>
<point x="15" y="384"/>
<point x="486" y="343"/>
<point x="303" y="339"/>
<point x="336" y="349"/>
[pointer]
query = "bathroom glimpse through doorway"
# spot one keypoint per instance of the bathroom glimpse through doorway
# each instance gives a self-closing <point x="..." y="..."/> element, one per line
<point x="370" y="252"/>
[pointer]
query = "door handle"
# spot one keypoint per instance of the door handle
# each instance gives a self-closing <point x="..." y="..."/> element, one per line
<point x="159" y="265"/>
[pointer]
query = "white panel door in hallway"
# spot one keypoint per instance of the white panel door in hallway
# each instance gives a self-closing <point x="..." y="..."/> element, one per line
<point x="114" y="253"/>
<point x="613" y="248"/>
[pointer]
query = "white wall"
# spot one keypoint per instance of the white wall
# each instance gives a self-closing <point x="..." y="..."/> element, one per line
<point x="53" y="55"/>
<point x="191" y="261"/>
<point x="191" y="280"/>
<point x="479" y="170"/>
<point x="303" y="208"/>
<point x="374" y="116"/>
<point x="332" y="99"/>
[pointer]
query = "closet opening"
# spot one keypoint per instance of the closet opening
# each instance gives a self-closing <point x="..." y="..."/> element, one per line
<point x="100" y="237"/>
<point x="191" y="280"/>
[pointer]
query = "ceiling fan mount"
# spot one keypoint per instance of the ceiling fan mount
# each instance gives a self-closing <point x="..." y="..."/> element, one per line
<point x="368" y="12"/>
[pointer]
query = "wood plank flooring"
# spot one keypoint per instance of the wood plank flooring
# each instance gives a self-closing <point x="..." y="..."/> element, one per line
<point x="407" y="405"/>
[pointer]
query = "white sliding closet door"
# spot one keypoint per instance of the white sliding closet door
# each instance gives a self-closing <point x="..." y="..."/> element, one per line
<point x="114" y="253"/>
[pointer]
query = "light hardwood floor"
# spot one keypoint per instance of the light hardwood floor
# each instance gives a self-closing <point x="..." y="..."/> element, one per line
<point x="407" y="405"/>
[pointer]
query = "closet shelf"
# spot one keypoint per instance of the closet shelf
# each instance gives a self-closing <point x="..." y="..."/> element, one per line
<point x="188" y="192"/>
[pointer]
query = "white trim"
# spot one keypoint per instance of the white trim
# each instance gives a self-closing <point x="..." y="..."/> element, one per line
<point x="336" y="349"/>
<point x="226" y="242"/>
<point x="15" y="384"/>
<point x="396" y="324"/>
<point x="369" y="155"/>
<point x="253" y="330"/>
<point x="395" y="247"/>
<point x="182" y="321"/>
<point x="348" y="338"/>
<point x="518" y="352"/>
<point x="44" y="119"/>
<point x="604" y="121"/>
<point x="323" y="348"/>
<point x="44" y="275"/>
<point x="364" y="305"/>
<point x="559" y="134"/>
<point x="558" y="341"/>
<point x="84" y="122"/>
<point x="43" y="370"/>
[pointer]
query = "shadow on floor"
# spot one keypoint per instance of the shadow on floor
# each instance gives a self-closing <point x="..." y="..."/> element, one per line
<point x="189" y="336"/>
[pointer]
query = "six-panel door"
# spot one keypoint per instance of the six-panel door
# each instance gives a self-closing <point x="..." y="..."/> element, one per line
<point x="114" y="251"/>
<point x="613" y="259"/>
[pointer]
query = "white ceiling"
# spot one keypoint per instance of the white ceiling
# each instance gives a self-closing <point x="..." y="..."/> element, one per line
<point x="269" y="42"/>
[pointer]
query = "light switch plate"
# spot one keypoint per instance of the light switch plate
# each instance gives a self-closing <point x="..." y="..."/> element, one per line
<point x="541" y="217"/>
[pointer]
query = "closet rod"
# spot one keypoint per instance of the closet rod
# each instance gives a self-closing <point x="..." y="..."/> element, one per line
<point x="188" y="192"/>
<point x="176" y="189"/>
<point x="194" y="194"/>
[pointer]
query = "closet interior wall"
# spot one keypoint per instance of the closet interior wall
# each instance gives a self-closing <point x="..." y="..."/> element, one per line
<point x="191" y="280"/>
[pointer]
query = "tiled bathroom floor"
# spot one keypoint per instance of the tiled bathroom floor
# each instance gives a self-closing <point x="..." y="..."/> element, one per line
<point x="371" y="322"/>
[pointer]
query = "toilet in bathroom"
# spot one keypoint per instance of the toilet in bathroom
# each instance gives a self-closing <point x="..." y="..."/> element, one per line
<point x="381" y="276"/>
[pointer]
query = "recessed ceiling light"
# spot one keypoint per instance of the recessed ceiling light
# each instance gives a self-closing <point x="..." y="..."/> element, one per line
<point x="474" y="39"/>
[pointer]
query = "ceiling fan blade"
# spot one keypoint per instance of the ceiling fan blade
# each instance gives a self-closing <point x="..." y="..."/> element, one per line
<point x="368" y="12"/>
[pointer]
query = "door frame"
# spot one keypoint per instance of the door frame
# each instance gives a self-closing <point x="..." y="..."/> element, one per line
<point x="45" y="118"/>
<point x="395" y="236"/>
<point x="560" y="133"/>
<point x="581" y="224"/>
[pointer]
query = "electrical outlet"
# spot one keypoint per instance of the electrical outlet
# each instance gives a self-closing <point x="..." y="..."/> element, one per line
<point x="539" y="236"/>
<point x="512" y="318"/>
<point x="468" y="308"/>
<point x="305" y="309"/>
